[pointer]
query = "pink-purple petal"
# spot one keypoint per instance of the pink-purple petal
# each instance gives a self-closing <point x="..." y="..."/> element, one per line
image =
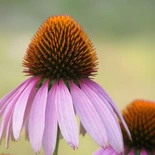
<point x="65" y="114"/>
<point x="19" y="109"/>
<point x="88" y="116"/>
<point x="111" y="102"/>
<point x="103" y="99"/>
<point x="108" y="151"/>
<point x="111" y="124"/>
<point x="27" y="111"/>
<point x="29" y="104"/>
<point x="100" y="151"/>
<point x="7" y="96"/>
<point x="10" y="107"/>
<point x="37" y="117"/>
<point x="50" y="132"/>
<point x="8" y="131"/>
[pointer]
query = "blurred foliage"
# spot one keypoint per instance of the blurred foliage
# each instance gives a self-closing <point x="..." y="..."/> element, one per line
<point x="122" y="31"/>
<point x="112" y="17"/>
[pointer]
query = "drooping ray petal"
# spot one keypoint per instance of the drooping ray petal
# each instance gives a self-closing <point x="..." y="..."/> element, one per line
<point x="102" y="97"/>
<point x="8" y="131"/>
<point x="111" y="125"/>
<point x="5" y="100"/>
<point x="10" y="107"/>
<point x="29" y="104"/>
<point x="50" y="132"/>
<point x="6" y="97"/>
<point x="88" y="116"/>
<point x="37" y="117"/>
<point x="27" y="111"/>
<point x="65" y="114"/>
<point x="111" y="102"/>
<point x="4" y="106"/>
<point x="19" y="109"/>
<point x="104" y="101"/>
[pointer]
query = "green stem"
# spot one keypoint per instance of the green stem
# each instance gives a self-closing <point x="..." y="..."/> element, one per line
<point x="57" y="142"/>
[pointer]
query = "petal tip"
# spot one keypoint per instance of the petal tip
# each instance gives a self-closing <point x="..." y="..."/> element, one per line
<point x="73" y="146"/>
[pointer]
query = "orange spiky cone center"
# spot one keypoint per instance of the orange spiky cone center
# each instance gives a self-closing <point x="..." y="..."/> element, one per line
<point x="140" y="118"/>
<point x="60" y="49"/>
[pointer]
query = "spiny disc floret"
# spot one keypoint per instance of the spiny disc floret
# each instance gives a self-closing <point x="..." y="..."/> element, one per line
<point x="60" y="49"/>
<point x="140" y="118"/>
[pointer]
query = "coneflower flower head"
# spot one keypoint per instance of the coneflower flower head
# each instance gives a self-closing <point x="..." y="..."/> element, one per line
<point x="60" y="50"/>
<point x="140" y="118"/>
<point x="60" y="60"/>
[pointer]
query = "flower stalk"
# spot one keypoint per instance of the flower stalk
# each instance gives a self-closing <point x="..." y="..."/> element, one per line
<point x="57" y="142"/>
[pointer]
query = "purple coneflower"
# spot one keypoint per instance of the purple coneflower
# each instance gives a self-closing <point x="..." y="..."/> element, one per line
<point x="140" y="118"/>
<point x="60" y="60"/>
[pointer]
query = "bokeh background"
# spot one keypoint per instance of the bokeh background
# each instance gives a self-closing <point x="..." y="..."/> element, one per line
<point x="122" y="31"/>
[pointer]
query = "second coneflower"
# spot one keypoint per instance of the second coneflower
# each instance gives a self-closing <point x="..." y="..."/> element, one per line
<point x="60" y="60"/>
<point x="140" y="118"/>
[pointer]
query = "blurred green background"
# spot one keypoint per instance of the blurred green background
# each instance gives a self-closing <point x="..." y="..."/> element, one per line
<point x="122" y="31"/>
